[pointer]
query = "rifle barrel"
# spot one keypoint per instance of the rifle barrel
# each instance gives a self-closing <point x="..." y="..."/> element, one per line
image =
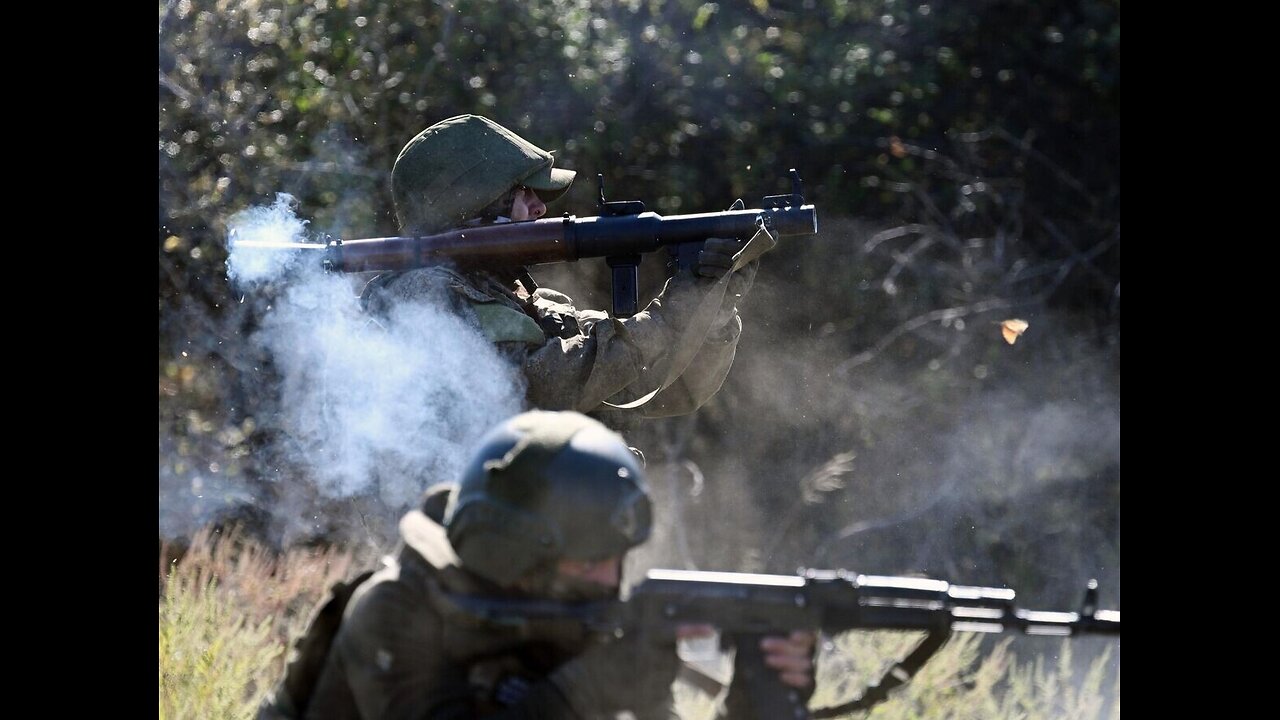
<point x="835" y="601"/>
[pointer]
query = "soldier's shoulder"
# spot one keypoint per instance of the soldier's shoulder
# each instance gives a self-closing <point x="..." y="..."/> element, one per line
<point x="421" y="282"/>
<point x="386" y="589"/>
<point x="428" y="284"/>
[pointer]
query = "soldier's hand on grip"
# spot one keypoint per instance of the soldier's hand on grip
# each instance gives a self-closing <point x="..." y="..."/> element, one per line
<point x="633" y="673"/>
<point x="714" y="261"/>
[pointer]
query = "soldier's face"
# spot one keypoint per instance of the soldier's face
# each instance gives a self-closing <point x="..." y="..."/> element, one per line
<point x="527" y="205"/>
<point x="606" y="573"/>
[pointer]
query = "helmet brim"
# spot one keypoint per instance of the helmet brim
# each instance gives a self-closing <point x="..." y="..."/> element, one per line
<point x="550" y="182"/>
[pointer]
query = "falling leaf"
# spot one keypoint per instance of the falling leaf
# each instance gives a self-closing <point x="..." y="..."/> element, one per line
<point x="1011" y="329"/>
<point x="896" y="147"/>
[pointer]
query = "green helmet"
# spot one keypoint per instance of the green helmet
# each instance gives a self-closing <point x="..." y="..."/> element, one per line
<point x="546" y="486"/>
<point x="454" y="169"/>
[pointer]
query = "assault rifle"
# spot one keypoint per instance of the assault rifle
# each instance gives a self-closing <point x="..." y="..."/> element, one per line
<point x="745" y="607"/>
<point x="620" y="234"/>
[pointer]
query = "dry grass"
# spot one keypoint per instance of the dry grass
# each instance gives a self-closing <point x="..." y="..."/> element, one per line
<point x="228" y="610"/>
<point x="230" y="607"/>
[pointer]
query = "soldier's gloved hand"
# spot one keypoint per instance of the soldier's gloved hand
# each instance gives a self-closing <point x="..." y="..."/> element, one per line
<point x="714" y="261"/>
<point x="633" y="673"/>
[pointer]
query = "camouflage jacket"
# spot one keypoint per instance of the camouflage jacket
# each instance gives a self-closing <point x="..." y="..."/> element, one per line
<point x="404" y="652"/>
<point x="575" y="359"/>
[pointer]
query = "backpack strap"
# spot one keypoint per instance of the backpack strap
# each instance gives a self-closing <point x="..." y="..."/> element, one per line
<point x="310" y="651"/>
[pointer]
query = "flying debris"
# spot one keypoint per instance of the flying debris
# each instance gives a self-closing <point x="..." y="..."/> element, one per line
<point x="1013" y="329"/>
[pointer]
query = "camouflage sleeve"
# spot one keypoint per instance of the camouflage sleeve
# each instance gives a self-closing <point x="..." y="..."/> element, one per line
<point x="618" y="360"/>
<point x="497" y="320"/>
<point x="702" y="379"/>
<point x="385" y="291"/>
<point x="582" y="371"/>
<point x="615" y="359"/>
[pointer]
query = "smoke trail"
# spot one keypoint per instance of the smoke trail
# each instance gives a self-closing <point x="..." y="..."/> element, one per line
<point x="371" y="411"/>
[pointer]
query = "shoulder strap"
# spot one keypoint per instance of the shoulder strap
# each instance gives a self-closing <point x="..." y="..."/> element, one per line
<point x="310" y="651"/>
<point x="898" y="674"/>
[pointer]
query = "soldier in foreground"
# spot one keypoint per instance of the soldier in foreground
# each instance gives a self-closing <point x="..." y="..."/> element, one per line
<point x="546" y="510"/>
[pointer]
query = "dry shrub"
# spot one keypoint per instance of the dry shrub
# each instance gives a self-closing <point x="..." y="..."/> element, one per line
<point x="228" y="609"/>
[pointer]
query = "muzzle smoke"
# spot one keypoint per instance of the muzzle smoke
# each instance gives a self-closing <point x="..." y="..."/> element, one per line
<point x="370" y="411"/>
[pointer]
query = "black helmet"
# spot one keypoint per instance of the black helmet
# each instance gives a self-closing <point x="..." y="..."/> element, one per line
<point x="546" y="486"/>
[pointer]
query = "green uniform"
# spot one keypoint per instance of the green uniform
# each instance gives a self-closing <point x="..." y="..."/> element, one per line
<point x="403" y="651"/>
<point x="575" y="359"/>
<point x="457" y="171"/>
<point x="542" y="488"/>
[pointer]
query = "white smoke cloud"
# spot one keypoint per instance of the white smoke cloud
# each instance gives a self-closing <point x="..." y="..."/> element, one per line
<point x="370" y="410"/>
<point x="275" y="223"/>
<point x="412" y="394"/>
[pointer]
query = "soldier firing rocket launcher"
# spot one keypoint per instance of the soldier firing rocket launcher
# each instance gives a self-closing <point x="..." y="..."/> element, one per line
<point x="621" y="234"/>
